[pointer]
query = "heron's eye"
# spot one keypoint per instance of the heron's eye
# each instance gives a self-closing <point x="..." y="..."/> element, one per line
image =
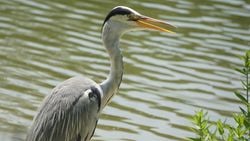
<point x="133" y="17"/>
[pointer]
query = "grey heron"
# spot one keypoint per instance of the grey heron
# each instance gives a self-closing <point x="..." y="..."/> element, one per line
<point x="71" y="111"/>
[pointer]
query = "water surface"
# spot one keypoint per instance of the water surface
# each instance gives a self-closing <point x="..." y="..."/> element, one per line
<point x="166" y="78"/>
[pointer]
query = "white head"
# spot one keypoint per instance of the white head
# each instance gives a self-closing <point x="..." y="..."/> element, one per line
<point x="122" y="19"/>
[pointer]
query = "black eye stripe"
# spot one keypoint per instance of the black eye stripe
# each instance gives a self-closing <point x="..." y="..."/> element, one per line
<point x="117" y="11"/>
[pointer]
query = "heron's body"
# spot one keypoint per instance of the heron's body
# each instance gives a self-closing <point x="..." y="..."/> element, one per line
<point x="62" y="117"/>
<point x="71" y="111"/>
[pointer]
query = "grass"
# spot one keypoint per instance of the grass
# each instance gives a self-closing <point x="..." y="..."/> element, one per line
<point x="240" y="130"/>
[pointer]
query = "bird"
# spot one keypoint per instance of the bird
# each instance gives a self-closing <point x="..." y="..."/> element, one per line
<point x="72" y="109"/>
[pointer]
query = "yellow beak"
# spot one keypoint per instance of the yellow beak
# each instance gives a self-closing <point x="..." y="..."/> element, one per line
<point x="154" y="24"/>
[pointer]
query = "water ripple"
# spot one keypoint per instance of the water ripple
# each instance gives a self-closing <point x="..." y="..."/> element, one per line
<point x="166" y="78"/>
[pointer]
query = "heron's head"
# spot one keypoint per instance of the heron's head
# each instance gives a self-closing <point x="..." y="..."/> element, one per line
<point x="122" y="19"/>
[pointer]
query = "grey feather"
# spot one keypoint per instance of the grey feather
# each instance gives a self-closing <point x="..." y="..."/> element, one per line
<point x="64" y="112"/>
<point x="71" y="112"/>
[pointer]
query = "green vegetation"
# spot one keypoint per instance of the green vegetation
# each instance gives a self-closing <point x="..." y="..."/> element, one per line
<point x="221" y="131"/>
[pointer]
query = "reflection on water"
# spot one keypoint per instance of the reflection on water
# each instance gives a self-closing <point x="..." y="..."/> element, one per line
<point x="167" y="76"/>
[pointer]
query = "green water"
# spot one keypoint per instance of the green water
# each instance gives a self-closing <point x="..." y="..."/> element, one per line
<point x="166" y="78"/>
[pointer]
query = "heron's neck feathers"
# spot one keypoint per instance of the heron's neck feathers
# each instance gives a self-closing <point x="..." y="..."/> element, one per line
<point x="111" y="84"/>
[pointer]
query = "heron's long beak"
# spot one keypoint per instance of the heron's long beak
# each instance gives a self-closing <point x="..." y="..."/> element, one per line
<point x="151" y="23"/>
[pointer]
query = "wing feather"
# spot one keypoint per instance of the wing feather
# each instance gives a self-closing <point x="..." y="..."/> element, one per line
<point x="67" y="113"/>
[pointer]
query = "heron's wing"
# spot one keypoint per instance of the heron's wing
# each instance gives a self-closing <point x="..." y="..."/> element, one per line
<point x="69" y="112"/>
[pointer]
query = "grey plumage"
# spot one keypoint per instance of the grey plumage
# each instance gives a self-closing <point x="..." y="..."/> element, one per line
<point x="62" y="117"/>
<point x="71" y="111"/>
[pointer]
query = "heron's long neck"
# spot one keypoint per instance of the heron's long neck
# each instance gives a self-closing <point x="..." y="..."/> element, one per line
<point x="112" y="83"/>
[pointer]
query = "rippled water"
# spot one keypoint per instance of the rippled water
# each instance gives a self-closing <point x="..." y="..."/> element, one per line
<point x="167" y="76"/>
